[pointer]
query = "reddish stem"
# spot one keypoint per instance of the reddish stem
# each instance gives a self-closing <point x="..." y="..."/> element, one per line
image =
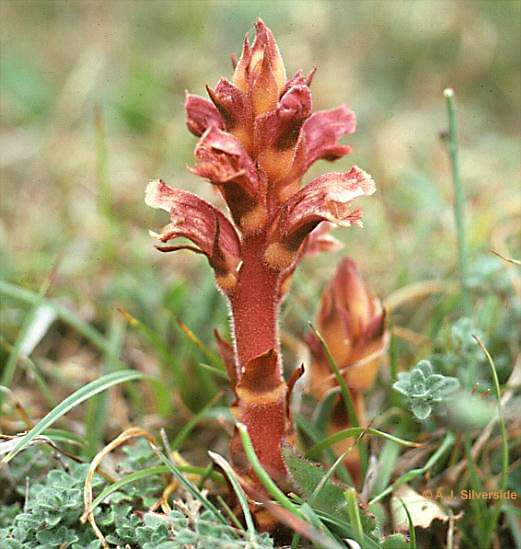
<point x="255" y="303"/>
<point x="261" y="388"/>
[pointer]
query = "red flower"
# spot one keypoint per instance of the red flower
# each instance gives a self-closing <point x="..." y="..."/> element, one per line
<point x="352" y="322"/>
<point x="326" y="198"/>
<point x="201" y="114"/>
<point x="258" y="137"/>
<point x="195" y="219"/>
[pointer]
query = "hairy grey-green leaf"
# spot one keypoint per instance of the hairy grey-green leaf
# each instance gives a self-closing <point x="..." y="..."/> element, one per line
<point x="421" y="409"/>
<point x="402" y="386"/>
<point x="425" y="367"/>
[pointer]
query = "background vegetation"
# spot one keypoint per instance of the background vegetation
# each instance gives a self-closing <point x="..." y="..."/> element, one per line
<point x="92" y="108"/>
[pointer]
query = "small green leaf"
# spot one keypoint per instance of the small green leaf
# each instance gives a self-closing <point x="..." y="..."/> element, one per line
<point x="449" y="385"/>
<point x="426" y="368"/>
<point x="424" y="388"/>
<point x="417" y="380"/>
<point x="421" y="409"/>
<point x="402" y="386"/>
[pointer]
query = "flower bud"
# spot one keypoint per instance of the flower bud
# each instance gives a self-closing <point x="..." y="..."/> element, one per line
<point x="352" y="322"/>
<point x="260" y="71"/>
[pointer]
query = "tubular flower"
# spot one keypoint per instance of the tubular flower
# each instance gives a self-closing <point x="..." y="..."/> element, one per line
<point x="352" y="322"/>
<point x="257" y="137"/>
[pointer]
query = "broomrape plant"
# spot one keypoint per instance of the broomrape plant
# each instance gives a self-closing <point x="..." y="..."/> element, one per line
<point x="351" y="320"/>
<point x="258" y="137"/>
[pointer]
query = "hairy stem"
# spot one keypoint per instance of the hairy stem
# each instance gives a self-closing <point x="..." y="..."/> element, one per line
<point x="261" y="389"/>
<point x="254" y="304"/>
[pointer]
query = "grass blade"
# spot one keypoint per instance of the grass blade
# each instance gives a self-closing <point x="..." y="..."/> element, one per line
<point x="448" y="441"/>
<point x="30" y="333"/>
<point x="265" y="479"/>
<point x="412" y="531"/>
<point x="354" y="514"/>
<point x="386" y="462"/>
<point x="144" y="473"/>
<point x="209" y="354"/>
<point x="346" y="395"/>
<point x="513" y="515"/>
<point x="34" y="373"/>
<point x="176" y="471"/>
<point x="310" y="431"/>
<point x="79" y="396"/>
<point x="62" y="435"/>
<point x="477" y="506"/>
<point x="128" y="479"/>
<point x="346" y="529"/>
<point x="294" y="513"/>
<point x="318" y="448"/>
<point x="216" y="371"/>
<point x="86" y="330"/>
<point x="97" y="410"/>
<point x="171" y="370"/>
<point x="503" y="482"/>
<point x="324" y="408"/>
<point x="225" y="466"/>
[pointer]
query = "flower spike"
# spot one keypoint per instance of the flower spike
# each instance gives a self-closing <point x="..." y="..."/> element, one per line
<point x="257" y="138"/>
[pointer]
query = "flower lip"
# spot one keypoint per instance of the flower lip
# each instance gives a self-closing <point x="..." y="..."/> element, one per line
<point x="321" y="132"/>
<point x="197" y="220"/>
<point x="326" y="198"/>
<point x="318" y="139"/>
<point x="296" y="102"/>
<point x="231" y="103"/>
<point x="221" y="158"/>
<point x="201" y="114"/>
<point x="280" y="127"/>
<point x="299" y="79"/>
